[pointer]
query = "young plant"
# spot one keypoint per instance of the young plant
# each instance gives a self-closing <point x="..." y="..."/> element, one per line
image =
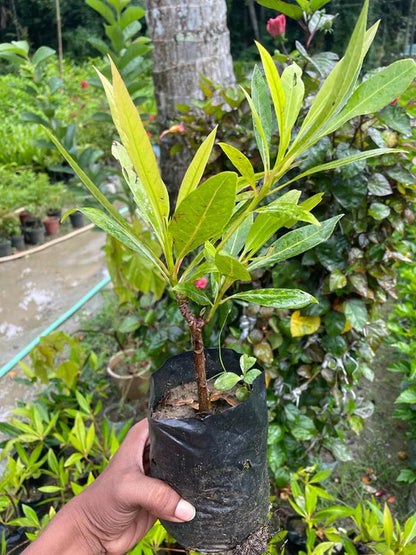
<point x="227" y="380"/>
<point x="223" y="227"/>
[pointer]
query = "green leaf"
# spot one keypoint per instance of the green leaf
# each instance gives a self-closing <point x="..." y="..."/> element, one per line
<point x="241" y="162"/>
<point x="261" y="139"/>
<point x="276" y="298"/>
<point x="294" y="90"/>
<point x="123" y="233"/>
<point x="291" y="210"/>
<point x="291" y="10"/>
<point x="344" y="161"/>
<point x="377" y="91"/>
<point x="379" y="211"/>
<point x="67" y="371"/>
<point x="238" y="239"/>
<point x="261" y="101"/>
<point x="247" y="362"/>
<point x="42" y="54"/>
<point x="49" y="489"/>
<point x="197" y="167"/>
<point x="130" y="15"/>
<point x="407" y="396"/>
<point x="231" y="267"/>
<point x="252" y="375"/>
<point x="296" y="242"/>
<point x="265" y="227"/>
<point x="378" y="185"/>
<point x="388" y="525"/>
<point x="192" y="292"/>
<point x="355" y="312"/>
<point x="337" y="85"/>
<point x="203" y="213"/>
<point x="276" y="89"/>
<point x="337" y="280"/>
<point x="275" y="433"/>
<point x="226" y="380"/>
<point x="103" y="9"/>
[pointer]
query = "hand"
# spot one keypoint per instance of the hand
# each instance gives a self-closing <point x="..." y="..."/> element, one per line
<point x="116" y="511"/>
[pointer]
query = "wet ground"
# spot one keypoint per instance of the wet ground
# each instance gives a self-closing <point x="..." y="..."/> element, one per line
<point x="36" y="290"/>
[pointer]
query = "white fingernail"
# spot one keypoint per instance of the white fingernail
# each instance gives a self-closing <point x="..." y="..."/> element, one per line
<point x="185" y="511"/>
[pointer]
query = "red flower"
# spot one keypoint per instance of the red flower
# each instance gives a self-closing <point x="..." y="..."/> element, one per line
<point x="84" y="84"/>
<point x="151" y="118"/>
<point x="149" y="134"/>
<point x="393" y="102"/>
<point x="201" y="283"/>
<point x="277" y="26"/>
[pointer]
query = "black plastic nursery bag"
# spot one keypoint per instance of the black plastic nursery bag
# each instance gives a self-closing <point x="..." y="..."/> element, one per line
<point x="217" y="462"/>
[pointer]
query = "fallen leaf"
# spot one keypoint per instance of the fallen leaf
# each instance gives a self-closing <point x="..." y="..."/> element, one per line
<point x="370" y="489"/>
<point x="365" y="479"/>
<point x="402" y="455"/>
<point x="391" y="499"/>
<point x="12" y="374"/>
<point x="380" y="492"/>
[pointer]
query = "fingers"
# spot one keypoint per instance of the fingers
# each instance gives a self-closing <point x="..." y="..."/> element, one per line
<point x="161" y="500"/>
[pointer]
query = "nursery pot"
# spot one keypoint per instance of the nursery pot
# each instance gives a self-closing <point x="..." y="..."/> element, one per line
<point x="218" y="462"/>
<point x="34" y="235"/>
<point x="23" y="215"/>
<point x="5" y="247"/>
<point x="132" y="378"/>
<point x="18" y="242"/>
<point x="77" y="219"/>
<point x="118" y="416"/>
<point x="54" y="212"/>
<point x="51" y="224"/>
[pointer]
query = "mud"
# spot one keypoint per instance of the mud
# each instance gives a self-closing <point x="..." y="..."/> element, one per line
<point x="38" y="289"/>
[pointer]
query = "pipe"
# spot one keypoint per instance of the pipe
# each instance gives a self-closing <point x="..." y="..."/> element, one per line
<point x="54" y="325"/>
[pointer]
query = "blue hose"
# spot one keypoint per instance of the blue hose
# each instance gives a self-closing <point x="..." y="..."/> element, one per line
<point x="54" y="325"/>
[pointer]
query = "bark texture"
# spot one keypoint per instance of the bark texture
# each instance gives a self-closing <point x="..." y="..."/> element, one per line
<point x="190" y="39"/>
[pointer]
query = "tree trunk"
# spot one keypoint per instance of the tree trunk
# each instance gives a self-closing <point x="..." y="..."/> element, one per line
<point x="190" y="39"/>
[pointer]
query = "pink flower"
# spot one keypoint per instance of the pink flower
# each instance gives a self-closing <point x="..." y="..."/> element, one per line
<point x="178" y="128"/>
<point x="151" y="118"/>
<point x="201" y="283"/>
<point x="84" y="84"/>
<point x="277" y="26"/>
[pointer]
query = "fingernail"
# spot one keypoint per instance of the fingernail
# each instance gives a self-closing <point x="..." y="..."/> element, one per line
<point x="185" y="511"/>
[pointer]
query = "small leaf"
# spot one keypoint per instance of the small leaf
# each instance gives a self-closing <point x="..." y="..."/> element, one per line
<point x="252" y="375"/>
<point x="227" y="380"/>
<point x="231" y="267"/>
<point x="192" y="292"/>
<point x="247" y="362"/>
<point x="240" y="161"/>
<point x="276" y="298"/>
<point x="303" y="325"/>
<point x="356" y="313"/>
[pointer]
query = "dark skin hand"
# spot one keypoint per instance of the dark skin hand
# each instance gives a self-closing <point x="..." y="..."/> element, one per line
<point x="117" y="510"/>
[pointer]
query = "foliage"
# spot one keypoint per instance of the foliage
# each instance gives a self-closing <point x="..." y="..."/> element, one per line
<point x="217" y="214"/>
<point x="365" y="528"/>
<point x="402" y="326"/>
<point x="30" y="190"/>
<point x="128" y="51"/>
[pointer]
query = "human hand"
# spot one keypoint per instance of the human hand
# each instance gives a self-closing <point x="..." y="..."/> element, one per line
<point x="117" y="509"/>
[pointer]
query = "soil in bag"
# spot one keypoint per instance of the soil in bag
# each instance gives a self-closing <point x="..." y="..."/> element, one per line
<point x="218" y="462"/>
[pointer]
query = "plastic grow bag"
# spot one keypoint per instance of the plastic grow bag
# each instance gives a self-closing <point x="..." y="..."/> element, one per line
<point x="217" y="462"/>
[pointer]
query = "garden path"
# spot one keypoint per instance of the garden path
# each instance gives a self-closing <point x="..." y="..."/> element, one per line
<point x="38" y="289"/>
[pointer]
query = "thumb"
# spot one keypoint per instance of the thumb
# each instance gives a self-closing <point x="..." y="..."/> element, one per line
<point x="161" y="500"/>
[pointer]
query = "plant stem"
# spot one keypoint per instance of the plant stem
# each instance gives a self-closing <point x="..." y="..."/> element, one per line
<point x="195" y="326"/>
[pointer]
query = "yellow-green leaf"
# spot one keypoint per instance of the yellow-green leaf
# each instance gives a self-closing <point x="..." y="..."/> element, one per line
<point x="231" y="267"/>
<point x="196" y="168"/>
<point x="303" y="325"/>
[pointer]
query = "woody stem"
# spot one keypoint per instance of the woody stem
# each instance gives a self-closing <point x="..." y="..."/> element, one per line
<point x="195" y="326"/>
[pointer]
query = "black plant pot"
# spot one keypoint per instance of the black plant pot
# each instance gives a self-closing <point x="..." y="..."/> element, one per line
<point x="54" y="212"/>
<point x="217" y="462"/>
<point x="34" y="235"/>
<point x="77" y="219"/>
<point x="5" y="248"/>
<point x="18" y="242"/>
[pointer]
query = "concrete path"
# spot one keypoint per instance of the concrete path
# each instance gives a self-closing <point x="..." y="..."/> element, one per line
<point x="38" y="289"/>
